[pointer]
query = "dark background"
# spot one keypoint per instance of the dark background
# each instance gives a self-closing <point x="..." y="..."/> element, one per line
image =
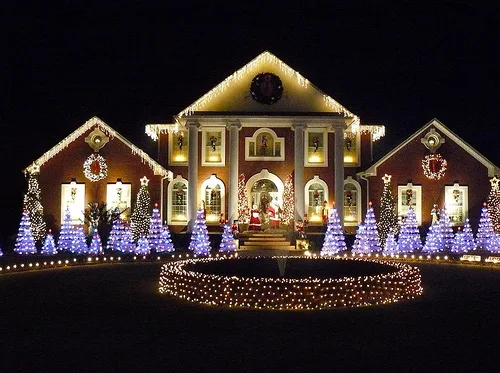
<point x="399" y="66"/>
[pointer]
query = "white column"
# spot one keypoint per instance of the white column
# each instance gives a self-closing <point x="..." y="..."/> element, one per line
<point x="232" y="209"/>
<point x="192" y="175"/>
<point x="298" y="129"/>
<point x="339" y="169"/>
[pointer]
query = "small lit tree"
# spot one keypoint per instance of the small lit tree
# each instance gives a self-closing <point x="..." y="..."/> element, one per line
<point x="334" y="241"/>
<point x="79" y="243"/>
<point x="287" y="216"/>
<point x="128" y="245"/>
<point x="409" y="237"/>
<point x="155" y="228"/>
<point x="227" y="244"/>
<point x="434" y="241"/>
<point x="445" y="229"/>
<point x="165" y="244"/>
<point x="200" y="243"/>
<point x="49" y="245"/>
<point x="66" y="234"/>
<point x="140" y="219"/>
<point x="391" y="244"/>
<point x="143" y="247"/>
<point x="388" y="216"/>
<point x="115" y="237"/>
<point x="96" y="244"/>
<point x="25" y="243"/>
<point x="493" y="203"/>
<point x="485" y="233"/>
<point x="34" y="207"/>
<point x="243" y="207"/>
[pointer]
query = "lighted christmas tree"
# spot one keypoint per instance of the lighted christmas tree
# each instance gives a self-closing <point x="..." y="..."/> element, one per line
<point x="434" y="240"/>
<point x="79" y="243"/>
<point x="227" y="243"/>
<point x="143" y="247"/>
<point x="49" y="245"/>
<point x="165" y="244"/>
<point x="485" y="233"/>
<point x="66" y="234"/>
<point x="360" y="245"/>
<point x="141" y="216"/>
<point x="200" y="243"/>
<point x="409" y="236"/>
<point x="493" y="203"/>
<point x="33" y="205"/>
<point x="388" y="216"/>
<point x="445" y="229"/>
<point x="25" y="243"/>
<point x="287" y="215"/>
<point x="391" y="244"/>
<point x="155" y="228"/>
<point x="463" y="241"/>
<point x="96" y="244"/>
<point x="1" y="252"/>
<point x="334" y="241"/>
<point x="127" y="244"/>
<point x="243" y="208"/>
<point x="116" y="234"/>
<point x="368" y="242"/>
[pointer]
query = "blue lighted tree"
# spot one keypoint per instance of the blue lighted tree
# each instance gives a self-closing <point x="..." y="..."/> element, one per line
<point x="200" y="243"/>
<point x="485" y="233"/>
<point x="368" y="238"/>
<point x="409" y="237"/>
<point x="96" y="244"/>
<point x="165" y="244"/>
<point x="79" y="244"/>
<point x="155" y="228"/>
<point x="116" y="234"/>
<point x="49" y="245"/>
<point x="66" y="234"/>
<point x="127" y="245"/>
<point x="227" y="243"/>
<point x="434" y="241"/>
<point x="143" y="247"/>
<point x="391" y="244"/>
<point x="446" y="229"/>
<point x="25" y="243"/>
<point x="334" y="241"/>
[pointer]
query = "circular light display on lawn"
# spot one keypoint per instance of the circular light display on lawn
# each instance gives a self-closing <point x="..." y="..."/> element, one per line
<point x="290" y="283"/>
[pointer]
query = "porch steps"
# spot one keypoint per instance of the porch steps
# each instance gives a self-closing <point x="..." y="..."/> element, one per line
<point x="264" y="241"/>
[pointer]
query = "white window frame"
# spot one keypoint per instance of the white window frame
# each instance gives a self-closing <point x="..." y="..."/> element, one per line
<point x="350" y="180"/>
<point x="358" y="149"/>
<point x="315" y="180"/>
<point x="75" y="202"/>
<point x="222" y="146"/>
<point x="212" y="181"/>
<point x="307" y="162"/>
<point x="449" y="202"/>
<point x="177" y="179"/>
<point x="403" y="208"/>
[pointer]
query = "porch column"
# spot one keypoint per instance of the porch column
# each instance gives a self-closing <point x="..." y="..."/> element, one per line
<point x="192" y="207"/>
<point x="298" y="155"/>
<point x="339" y="169"/>
<point x="232" y="202"/>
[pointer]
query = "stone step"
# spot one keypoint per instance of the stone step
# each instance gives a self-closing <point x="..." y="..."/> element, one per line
<point x="265" y="243"/>
<point x="253" y="239"/>
<point x="256" y="247"/>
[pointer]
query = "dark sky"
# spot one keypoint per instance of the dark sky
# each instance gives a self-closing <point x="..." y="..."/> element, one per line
<point x="132" y="65"/>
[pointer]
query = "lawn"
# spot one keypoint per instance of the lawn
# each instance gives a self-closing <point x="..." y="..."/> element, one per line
<point x="112" y="318"/>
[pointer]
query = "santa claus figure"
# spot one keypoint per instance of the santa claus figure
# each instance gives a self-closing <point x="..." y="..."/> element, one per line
<point x="255" y="224"/>
<point x="274" y="214"/>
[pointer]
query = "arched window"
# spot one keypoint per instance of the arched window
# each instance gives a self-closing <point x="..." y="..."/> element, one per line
<point x="264" y="145"/>
<point x="316" y="192"/>
<point x="177" y="201"/>
<point x="213" y="199"/>
<point x="352" y="202"/>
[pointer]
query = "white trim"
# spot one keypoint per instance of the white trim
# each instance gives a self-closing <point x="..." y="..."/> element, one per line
<point x="350" y="180"/>
<point x="172" y="143"/>
<point x="123" y="201"/>
<point x="222" y="146"/>
<point x="213" y="180"/>
<point x="315" y="180"/>
<point x="177" y="179"/>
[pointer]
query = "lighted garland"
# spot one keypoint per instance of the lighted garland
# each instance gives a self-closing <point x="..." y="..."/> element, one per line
<point x="95" y="167"/>
<point x="278" y="293"/>
<point x="430" y="164"/>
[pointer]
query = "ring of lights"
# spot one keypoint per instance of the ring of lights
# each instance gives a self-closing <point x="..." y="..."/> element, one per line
<point x="435" y="159"/>
<point x="278" y="293"/>
<point x="97" y="161"/>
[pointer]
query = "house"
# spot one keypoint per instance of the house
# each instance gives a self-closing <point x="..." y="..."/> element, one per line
<point x="263" y="126"/>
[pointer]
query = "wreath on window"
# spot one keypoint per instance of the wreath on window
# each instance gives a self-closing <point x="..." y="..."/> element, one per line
<point x="434" y="166"/>
<point x="95" y="167"/>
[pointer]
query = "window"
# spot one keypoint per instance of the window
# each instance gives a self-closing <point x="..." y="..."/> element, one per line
<point x="213" y="152"/>
<point x="178" y="148"/>
<point x="456" y="201"/>
<point x="352" y="202"/>
<point x="177" y="201"/>
<point x="264" y="145"/>
<point x="213" y="199"/>
<point x="316" y="192"/>
<point x="351" y="148"/>
<point x="73" y="198"/>
<point x="410" y="195"/>
<point x="118" y="195"/>
<point x="316" y="148"/>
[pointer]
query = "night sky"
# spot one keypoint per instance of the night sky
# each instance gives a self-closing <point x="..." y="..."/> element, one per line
<point x="400" y="67"/>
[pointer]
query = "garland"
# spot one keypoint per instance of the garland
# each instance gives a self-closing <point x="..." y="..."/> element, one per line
<point x="434" y="166"/>
<point x="95" y="167"/>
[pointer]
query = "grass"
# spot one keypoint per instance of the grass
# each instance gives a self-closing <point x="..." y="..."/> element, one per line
<point x="112" y="318"/>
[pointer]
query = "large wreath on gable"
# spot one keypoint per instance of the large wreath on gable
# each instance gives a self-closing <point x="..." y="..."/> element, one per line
<point x="95" y="167"/>
<point x="434" y="166"/>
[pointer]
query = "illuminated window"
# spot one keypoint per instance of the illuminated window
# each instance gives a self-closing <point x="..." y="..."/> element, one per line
<point x="213" y="199"/>
<point x="213" y="151"/>
<point x="73" y="198"/>
<point x="352" y="202"/>
<point x="456" y="201"/>
<point x="119" y="195"/>
<point x="410" y="195"/>
<point x="177" y="201"/>
<point x="316" y="147"/>
<point x="178" y="148"/>
<point x="264" y="145"/>
<point x="316" y="192"/>
<point x="351" y="148"/>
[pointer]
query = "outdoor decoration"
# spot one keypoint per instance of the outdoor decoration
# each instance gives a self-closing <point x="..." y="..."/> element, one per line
<point x="388" y="216"/>
<point x="25" y="243"/>
<point x="140" y="219"/>
<point x="434" y="166"/>
<point x="200" y="242"/>
<point x="266" y="88"/>
<point x="49" y="245"/>
<point x="334" y="241"/>
<point x="95" y="167"/>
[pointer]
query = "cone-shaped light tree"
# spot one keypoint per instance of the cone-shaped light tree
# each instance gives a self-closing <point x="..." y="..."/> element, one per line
<point x="391" y="244"/>
<point x="165" y="244"/>
<point x="409" y="237"/>
<point x="96" y="244"/>
<point x="66" y="235"/>
<point x="49" y="245"/>
<point x="200" y="243"/>
<point x="143" y="247"/>
<point x="485" y="233"/>
<point x="368" y="240"/>
<point x="243" y="207"/>
<point x="445" y="229"/>
<point x="155" y="228"/>
<point x="388" y="215"/>
<point x="25" y="243"/>
<point x="227" y="243"/>
<point x="140" y="219"/>
<point x="434" y="240"/>
<point x="334" y="241"/>
<point x="79" y="244"/>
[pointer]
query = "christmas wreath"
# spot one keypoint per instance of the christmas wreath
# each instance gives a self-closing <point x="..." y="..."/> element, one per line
<point x="434" y="166"/>
<point x="95" y="167"/>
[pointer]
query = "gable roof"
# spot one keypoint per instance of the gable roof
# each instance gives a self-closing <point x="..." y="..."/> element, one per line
<point x="89" y="124"/>
<point x="233" y="93"/>
<point x="492" y="169"/>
